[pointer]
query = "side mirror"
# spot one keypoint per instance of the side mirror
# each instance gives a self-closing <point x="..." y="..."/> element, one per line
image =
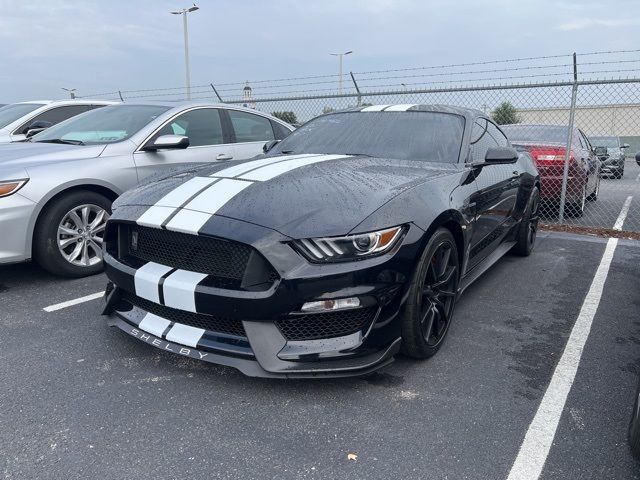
<point x="500" y="155"/>
<point x="168" y="142"/>
<point x="34" y="131"/>
<point x="638" y="158"/>
<point x="36" y="127"/>
<point x="269" y="145"/>
<point x="601" y="151"/>
<point x="625" y="145"/>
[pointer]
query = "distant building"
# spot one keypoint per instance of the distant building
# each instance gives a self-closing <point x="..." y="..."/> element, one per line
<point x="247" y="96"/>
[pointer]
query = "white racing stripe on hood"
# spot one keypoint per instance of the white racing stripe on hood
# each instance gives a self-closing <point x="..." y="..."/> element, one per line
<point x="400" y="108"/>
<point x="237" y="170"/>
<point x="197" y="208"/>
<point x="375" y="108"/>
<point x="271" y="171"/>
<point x="164" y="207"/>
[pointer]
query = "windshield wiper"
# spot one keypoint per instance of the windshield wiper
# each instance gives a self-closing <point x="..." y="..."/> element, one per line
<point x="287" y="152"/>
<point x="63" y="141"/>
<point x="359" y="155"/>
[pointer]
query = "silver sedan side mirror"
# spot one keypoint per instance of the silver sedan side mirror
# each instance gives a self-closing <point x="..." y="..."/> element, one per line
<point x="165" y="142"/>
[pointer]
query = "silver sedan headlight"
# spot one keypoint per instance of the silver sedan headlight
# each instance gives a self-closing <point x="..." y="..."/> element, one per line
<point x="9" y="187"/>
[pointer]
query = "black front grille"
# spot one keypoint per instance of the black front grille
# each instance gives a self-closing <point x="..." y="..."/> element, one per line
<point x="224" y="261"/>
<point x="229" y="326"/>
<point x="326" y="325"/>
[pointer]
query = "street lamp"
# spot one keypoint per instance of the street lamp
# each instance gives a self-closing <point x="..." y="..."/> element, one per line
<point x="340" y="55"/>
<point x="184" y="12"/>
<point x="72" y="92"/>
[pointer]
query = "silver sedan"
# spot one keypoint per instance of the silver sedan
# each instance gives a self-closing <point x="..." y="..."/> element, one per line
<point x="56" y="190"/>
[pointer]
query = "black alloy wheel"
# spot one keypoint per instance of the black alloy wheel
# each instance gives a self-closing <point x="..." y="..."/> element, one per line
<point x="432" y="297"/>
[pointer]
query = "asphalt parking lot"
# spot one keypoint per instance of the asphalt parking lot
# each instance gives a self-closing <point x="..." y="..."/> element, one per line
<point x="83" y="400"/>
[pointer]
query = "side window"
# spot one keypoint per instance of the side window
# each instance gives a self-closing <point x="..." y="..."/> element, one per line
<point x="481" y="140"/>
<point x="55" y="115"/>
<point x="250" y="127"/>
<point x="280" y="131"/>
<point x="202" y="126"/>
<point x="497" y="135"/>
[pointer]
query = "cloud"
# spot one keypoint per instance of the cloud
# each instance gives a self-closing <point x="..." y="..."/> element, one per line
<point x="583" y="23"/>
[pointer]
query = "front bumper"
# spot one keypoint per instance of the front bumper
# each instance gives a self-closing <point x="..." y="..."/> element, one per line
<point x="259" y="345"/>
<point x="15" y="213"/>
<point x="612" y="165"/>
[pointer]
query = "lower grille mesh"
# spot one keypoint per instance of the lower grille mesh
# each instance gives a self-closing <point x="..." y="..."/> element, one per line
<point x="326" y="325"/>
<point x="229" y="326"/>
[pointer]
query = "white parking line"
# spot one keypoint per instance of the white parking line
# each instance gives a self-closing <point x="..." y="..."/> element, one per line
<point x="623" y="213"/>
<point x="537" y="442"/>
<point x="71" y="303"/>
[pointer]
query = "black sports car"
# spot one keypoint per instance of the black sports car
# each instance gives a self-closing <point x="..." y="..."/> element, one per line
<point x="346" y="243"/>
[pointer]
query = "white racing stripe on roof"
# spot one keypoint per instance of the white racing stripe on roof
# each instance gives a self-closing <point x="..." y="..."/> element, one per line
<point x="237" y="170"/>
<point x="374" y="108"/>
<point x="185" y="335"/>
<point x="400" y="108"/>
<point x="271" y="171"/>
<point x="147" y="278"/>
<point x="154" y="324"/>
<point x="179" y="289"/>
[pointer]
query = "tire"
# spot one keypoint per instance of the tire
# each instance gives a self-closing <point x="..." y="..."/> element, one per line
<point x="576" y="210"/>
<point x="528" y="229"/>
<point x="57" y="232"/>
<point x="436" y="305"/>
<point x="634" y="427"/>
<point x="596" y="191"/>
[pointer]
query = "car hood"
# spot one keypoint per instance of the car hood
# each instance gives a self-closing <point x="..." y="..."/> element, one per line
<point x="328" y="197"/>
<point x="25" y="154"/>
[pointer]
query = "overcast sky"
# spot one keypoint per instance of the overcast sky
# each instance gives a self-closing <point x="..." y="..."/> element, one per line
<point x="98" y="46"/>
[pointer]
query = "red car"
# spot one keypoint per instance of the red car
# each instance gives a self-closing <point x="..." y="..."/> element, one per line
<point x="547" y="146"/>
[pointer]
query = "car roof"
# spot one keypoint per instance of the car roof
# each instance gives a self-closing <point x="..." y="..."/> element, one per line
<point x="81" y="101"/>
<point x="466" y="112"/>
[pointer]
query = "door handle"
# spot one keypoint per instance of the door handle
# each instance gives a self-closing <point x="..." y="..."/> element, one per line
<point x="224" y="156"/>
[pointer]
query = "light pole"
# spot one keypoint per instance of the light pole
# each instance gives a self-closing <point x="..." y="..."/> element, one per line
<point x="340" y="55"/>
<point x="184" y="13"/>
<point x="72" y="92"/>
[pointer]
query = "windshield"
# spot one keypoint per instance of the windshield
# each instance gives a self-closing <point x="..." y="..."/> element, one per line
<point x="104" y="125"/>
<point x="609" y="142"/>
<point x="11" y="113"/>
<point x="413" y="135"/>
<point x="536" y="133"/>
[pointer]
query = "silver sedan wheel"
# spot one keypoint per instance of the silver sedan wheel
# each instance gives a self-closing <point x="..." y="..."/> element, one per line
<point x="81" y="233"/>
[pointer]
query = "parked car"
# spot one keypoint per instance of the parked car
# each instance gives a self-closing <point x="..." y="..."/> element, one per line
<point x="613" y="156"/>
<point x="20" y="119"/>
<point x="547" y="146"/>
<point x="638" y="158"/>
<point x="347" y="241"/>
<point x="56" y="189"/>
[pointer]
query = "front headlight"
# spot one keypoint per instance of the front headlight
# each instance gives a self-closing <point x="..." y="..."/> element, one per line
<point x="350" y="247"/>
<point x="9" y="187"/>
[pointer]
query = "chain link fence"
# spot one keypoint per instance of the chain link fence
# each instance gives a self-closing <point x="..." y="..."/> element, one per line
<point x="574" y="114"/>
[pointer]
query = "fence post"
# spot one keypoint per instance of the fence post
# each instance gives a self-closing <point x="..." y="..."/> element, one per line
<point x="216" y="92"/>
<point x="357" y="89"/>
<point x="567" y="154"/>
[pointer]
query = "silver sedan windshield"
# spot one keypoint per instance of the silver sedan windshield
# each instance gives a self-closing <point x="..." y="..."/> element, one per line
<point x="104" y="125"/>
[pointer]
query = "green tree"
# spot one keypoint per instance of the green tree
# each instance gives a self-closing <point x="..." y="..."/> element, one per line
<point x="505" y="114"/>
<point x="289" y="117"/>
